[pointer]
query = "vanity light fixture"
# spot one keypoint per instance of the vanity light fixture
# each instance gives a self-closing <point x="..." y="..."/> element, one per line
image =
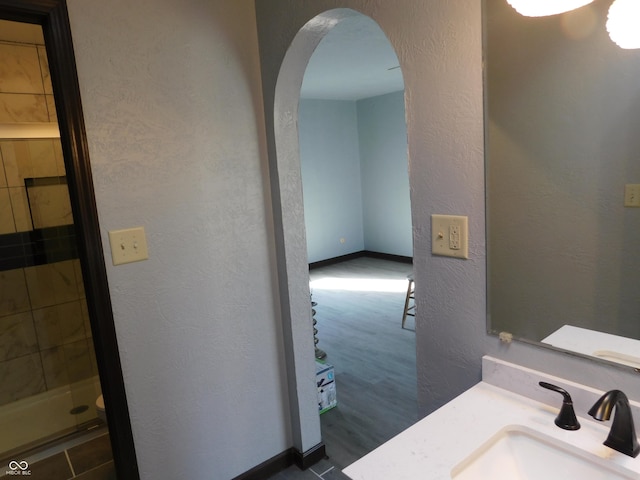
<point x="542" y="8"/>
<point x="622" y="23"/>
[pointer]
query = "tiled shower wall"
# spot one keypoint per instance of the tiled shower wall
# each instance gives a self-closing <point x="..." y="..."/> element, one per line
<point x="44" y="328"/>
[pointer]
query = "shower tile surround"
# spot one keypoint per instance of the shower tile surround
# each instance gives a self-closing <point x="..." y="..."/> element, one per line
<point x="44" y="330"/>
<point x="45" y="336"/>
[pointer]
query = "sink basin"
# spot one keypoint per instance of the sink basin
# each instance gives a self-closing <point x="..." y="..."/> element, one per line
<point x="520" y="453"/>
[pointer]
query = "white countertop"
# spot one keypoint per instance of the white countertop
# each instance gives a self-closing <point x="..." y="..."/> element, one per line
<point x="605" y="346"/>
<point x="431" y="448"/>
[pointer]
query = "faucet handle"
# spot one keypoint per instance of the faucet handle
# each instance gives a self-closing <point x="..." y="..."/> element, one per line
<point x="566" y="419"/>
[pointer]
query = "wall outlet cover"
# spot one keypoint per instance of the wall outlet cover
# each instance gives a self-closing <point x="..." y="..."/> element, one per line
<point x="632" y="195"/>
<point x="450" y="236"/>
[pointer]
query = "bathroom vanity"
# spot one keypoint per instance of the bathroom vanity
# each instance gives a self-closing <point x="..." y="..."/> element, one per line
<point x="502" y="428"/>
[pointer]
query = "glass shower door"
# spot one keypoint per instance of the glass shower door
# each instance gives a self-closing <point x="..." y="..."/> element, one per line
<point x="48" y="375"/>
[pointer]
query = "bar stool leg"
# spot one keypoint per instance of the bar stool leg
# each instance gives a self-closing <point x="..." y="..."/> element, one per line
<point x="409" y="310"/>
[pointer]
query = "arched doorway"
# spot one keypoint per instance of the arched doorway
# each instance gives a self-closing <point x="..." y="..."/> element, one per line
<point x="290" y="229"/>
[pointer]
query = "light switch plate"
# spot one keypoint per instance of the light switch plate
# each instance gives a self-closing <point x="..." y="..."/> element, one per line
<point x="450" y="236"/>
<point x="128" y="245"/>
<point x="632" y="195"/>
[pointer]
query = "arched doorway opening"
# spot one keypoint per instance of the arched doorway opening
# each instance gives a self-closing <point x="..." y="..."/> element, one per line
<point x="294" y="248"/>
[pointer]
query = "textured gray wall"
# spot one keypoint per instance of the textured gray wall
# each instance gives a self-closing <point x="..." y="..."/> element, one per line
<point x="173" y="109"/>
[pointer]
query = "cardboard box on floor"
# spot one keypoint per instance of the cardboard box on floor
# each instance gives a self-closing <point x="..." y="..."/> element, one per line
<point x="326" y="383"/>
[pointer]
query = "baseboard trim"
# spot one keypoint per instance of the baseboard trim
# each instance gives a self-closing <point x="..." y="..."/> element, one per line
<point x="310" y="457"/>
<point x="269" y="467"/>
<point x="334" y="260"/>
<point x="388" y="256"/>
<point x="361" y="253"/>
<point x="283" y="461"/>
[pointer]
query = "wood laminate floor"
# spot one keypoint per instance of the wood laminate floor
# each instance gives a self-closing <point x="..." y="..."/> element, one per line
<point x="359" y="312"/>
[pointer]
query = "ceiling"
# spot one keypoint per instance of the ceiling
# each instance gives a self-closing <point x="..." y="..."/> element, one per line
<point x="353" y="61"/>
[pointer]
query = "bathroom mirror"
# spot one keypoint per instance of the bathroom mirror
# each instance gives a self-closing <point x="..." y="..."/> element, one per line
<point x="562" y="109"/>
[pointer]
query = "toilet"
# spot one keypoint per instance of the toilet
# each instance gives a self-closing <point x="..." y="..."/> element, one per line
<point x="100" y="409"/>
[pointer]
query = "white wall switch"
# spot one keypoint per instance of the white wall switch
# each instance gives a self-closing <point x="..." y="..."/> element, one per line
<point x="632" y="195"/>
<point x="128" y="245"/>
<point x="450" y="236"/>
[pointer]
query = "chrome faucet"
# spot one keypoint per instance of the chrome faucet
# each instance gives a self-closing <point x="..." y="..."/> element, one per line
<point x="622" y="436"/>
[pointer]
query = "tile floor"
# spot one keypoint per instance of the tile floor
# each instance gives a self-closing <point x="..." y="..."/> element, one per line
<point x="89" y="460"/>
<point x="324" y="470"/>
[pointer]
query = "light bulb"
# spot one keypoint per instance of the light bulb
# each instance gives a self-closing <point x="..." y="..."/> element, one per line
<point x="623" y="23"/>
<point x="542" y="8"/>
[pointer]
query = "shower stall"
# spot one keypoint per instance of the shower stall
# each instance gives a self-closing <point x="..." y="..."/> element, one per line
<point x="48" y="374"/>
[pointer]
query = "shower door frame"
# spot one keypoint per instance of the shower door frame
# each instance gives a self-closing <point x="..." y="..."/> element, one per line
<point x="53" y="17"/>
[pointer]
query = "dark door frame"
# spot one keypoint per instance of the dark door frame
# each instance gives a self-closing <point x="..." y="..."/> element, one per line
<point x="53" y="16"/>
